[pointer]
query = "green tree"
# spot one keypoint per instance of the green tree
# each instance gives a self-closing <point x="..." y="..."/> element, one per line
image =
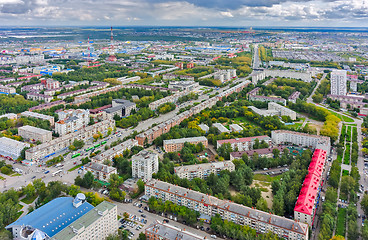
<point x="29" y="190"/>
<point x="364" y="203"/>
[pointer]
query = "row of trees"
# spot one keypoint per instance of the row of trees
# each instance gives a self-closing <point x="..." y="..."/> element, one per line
<point x="7" y="124"/>
<point x="133" y="120"/>
<point x="166" y="107"/>
<point x="183" y="213"/>
<point x="239" y="232"/>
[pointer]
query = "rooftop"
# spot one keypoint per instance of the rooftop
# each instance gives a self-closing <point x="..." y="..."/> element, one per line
<point x="54" y="216"/>
<point x="167" y="231"/>
<point x="184" y="140"/>
<point x="84" y="221"/>
<point x="35" y="130"/>
<point x="247" y="139"/>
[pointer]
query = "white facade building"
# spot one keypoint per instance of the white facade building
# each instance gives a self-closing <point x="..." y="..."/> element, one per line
<point x="11" y="148"/>
<point x="34" y="133"/>
<point x="71" y="120"/>
<point x="144" y="164"/>
<point x="338" y="82"/>
<point x="203" y="170"/>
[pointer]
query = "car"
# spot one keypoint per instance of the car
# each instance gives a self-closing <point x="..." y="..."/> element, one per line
<point x="213" y="236"/>
<point x="166" y="221"/>
<point x="46" y="172"/>
<point x="143" y="216"/>
<point x="145" y="221"/>
<point x="140" y="210"/>
<point x="33" y="177"/>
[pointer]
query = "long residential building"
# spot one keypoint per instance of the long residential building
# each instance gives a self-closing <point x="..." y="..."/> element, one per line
<point x="203" y="170"/>
<point x="244" y="144"/>
<point x="208" y="205"/>
<point x="115" y="151"/>
<point x="308" y="200"/>
<point x="164" y="127"/>
<point x="175" y="145"/>
<point x="169" y="99"/>
<point x="281" y="110"/>
<point x="301" y="139"/>
<point x="48" y="149"/>
<point x="39" y="116"/>
<point x="267" y="99"/>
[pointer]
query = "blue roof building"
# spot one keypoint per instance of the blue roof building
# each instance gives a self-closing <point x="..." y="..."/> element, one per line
<point x="50" y="219"/>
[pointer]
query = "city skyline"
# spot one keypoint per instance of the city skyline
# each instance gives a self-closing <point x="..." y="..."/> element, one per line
<point x="315" y="13"/>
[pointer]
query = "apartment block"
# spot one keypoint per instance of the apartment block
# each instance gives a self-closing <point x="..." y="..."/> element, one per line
<point x="100" y="171"/>
<point x="115" y="151"/>
<point x="203" y="170"/>
<point x="308" y="199"/>
<point x="235" y="128"/>
<point x="184" y="85"/>
<point x="144" y="164"/>
<point x="153" y="133"/>
<point x="208" y="205"/>
<point x="267" y="99"/>
<point x="301" y="139"/>
<point x="34" y="133"/>
<point x="244" y="144"/>
<point x="262" y="152"/>
<point x="7" y="90"/>
<point x="39" y="116"/>
<point x="71" y="120"/>
<point x="175" y="145"/>
<point x="45" y="150"/>
<point x="294" y="96"/>
<point x="172" y="98"/>
<point x="338" y="82"/>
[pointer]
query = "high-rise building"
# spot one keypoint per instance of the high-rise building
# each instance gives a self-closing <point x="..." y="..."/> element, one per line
<point x="338" y="82"/>
<point x="71" y="120"/>
<point x="144" y="164"/>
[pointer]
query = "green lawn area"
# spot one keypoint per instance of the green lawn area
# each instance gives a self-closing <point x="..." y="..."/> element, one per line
<point x="75" y="167"/>
<point x="345" y="173"/>
<point x="19" y="214"/>
<point x="339" y="158"/>
<point x="29" y="200"/>
<point x="266" y="178"/>
<point x="342" y="117"/>
<point x="347" y="154"/>
<point x="341" y="218"/>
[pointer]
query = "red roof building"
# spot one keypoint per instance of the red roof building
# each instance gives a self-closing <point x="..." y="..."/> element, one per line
<point x="307" y="202"/>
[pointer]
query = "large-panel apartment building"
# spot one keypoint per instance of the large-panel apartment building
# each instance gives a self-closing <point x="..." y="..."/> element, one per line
<point x="205" y="204"/>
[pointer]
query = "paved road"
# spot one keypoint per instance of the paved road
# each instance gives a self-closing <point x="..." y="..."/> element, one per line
<point x="256" y="61"/>
<point x="151" y="217"/>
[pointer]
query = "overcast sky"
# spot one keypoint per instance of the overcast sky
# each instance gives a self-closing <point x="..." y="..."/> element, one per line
<point x="316" y="13"/>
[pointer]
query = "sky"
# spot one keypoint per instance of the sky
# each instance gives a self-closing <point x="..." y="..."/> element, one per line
<point x="232" y="13"/>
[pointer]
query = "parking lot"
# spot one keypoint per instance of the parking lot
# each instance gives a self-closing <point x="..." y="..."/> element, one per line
<point x="140" y="218"/>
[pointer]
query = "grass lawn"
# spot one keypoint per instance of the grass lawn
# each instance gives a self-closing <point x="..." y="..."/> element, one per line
<point x="19" y="214"/>
<point x="2" y="178"/>
<point x="345" y="173"/>
<point x="339" y="158"/>
<point x="341" y="218"/>
<point x="347" y="154"/>
<point x="342" y="117"/>
<point x="266" y="178"/>
<point x="29" y="200"/>
<point x="75" y="167"/>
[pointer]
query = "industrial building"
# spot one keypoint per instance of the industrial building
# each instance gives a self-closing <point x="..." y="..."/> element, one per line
<point x="175" y="145"/>
<point x="262" y="222"/>
<point x="144" y="164"/>
<point x="35" y="134"/>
